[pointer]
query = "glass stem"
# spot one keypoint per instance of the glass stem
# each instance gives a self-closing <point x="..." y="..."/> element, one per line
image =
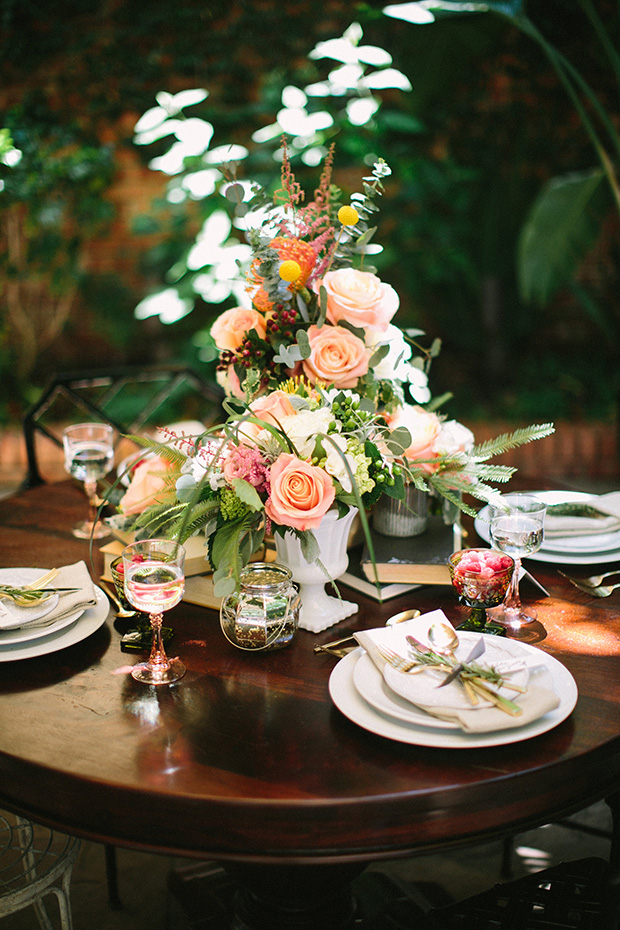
<point x="512" y="601"/>
<point x="158" y="656"/>
<point x="91" y="493"/>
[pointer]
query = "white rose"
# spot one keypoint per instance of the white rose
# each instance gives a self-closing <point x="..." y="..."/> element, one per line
<point x="453" y="437"/>
<point x="396" y="365"/>
<point x="335" y="465"/>
<point x="302" y="428"/>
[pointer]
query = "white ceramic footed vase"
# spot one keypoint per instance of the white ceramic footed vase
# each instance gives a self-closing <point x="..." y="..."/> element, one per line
<point x="319" y="610"/>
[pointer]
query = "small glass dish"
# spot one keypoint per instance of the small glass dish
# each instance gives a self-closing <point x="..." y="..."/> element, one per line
<point x="264" y="613"/>
<point x="480" y="578"/>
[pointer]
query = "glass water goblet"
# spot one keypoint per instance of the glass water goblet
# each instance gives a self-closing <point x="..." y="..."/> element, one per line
<point x="517" y="528"/>
<point x="154" y="571"/>
<point x="89" y="456"/>
<point x="480" y="578"/>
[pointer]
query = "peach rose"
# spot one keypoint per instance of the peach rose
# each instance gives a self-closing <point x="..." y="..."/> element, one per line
<point x="360" y="298"/>
<point x="230" y="328"/>
<point x="337" y="357"/>
<point x="301" y="493"/>
<point x="272" y="408"/>
<point x="148" y="483"/>
<point x="424" y="428"/>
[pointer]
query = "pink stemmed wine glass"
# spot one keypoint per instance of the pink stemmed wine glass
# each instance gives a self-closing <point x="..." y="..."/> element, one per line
<point x="154" y="581"/>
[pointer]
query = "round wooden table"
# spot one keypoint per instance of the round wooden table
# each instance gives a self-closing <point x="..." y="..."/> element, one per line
<point x="247" y="761"/>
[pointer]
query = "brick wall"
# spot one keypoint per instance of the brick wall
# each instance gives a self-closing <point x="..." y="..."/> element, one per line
<point x="575" y="450"/>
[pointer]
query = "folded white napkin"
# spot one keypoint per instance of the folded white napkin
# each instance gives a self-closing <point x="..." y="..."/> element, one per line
<point x="13" y="617"/>
<point x="538" y="700"/>
<point x="558" y="525"/>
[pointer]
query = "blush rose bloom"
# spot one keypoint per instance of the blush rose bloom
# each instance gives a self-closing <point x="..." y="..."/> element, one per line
<point x="337" y="357"/>
<point x="147" y="485"/>
<point x="424" y="428"/>
<point x="360" y="298"/>
<point x="230" y="328"/>
<point x="301" y="493"/>
<point x="272" y="408"/>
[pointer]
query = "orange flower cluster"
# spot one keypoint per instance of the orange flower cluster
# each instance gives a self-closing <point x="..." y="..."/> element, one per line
<point x="288" y="249"/>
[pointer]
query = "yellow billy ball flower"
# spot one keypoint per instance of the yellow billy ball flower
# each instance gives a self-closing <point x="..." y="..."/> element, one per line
<point x="290" y="270"/>
<point x="348" y="216"/>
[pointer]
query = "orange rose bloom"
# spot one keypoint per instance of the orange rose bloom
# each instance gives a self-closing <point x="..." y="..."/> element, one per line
<point x="230" y="329"/>
<point x="301" y="493"/>
<point x="147" y="487"/>
<point x="337" y="357"/>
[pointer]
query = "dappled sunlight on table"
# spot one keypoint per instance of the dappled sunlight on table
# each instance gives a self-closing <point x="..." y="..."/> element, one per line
<point x="578" y="628"/>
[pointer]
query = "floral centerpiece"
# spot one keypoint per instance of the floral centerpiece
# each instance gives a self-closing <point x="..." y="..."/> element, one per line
<point x="328" y="401"/>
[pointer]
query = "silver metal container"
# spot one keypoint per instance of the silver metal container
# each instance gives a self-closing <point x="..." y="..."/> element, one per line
<point x="406" y="517"/>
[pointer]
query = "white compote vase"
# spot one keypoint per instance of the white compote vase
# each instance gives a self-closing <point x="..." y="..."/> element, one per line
<point x="320" y="610"/>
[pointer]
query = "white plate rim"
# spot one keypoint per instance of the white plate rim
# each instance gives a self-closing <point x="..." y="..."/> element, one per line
<point x="90" y="620"/>
<point x="347" y="699"/>
<point x="26" y="633"/>
<point x="545" y="555"/>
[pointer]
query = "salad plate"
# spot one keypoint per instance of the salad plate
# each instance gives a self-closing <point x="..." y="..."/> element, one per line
<point x="77" y="630"/>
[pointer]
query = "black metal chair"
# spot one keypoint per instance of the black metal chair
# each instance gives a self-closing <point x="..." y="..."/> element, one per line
<point x="128" y="398"/>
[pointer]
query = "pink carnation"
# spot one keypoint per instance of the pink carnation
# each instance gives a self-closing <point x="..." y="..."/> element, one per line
<point x="247" y="463"/>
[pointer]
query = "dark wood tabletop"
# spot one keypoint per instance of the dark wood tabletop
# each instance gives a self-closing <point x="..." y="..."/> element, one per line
<point x="247" y="760"/>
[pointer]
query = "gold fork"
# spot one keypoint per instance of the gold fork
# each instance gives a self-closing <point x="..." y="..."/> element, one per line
<point x="395" y="660"/>
<point x="35" y="585"/>
<point x="592" y="581"/>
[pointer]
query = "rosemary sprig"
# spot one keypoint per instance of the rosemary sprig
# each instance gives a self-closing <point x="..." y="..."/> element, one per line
<point x="474" y="678"/>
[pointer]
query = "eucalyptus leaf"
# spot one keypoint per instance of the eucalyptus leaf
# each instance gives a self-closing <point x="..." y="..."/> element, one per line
<point x="288" y="355"/>
<point x="247" y="493"/>
<point x="378" y="356"/>
<point x="310" y="548"/>
<point x="399" y="440"/>
<point x="303" y="343"/>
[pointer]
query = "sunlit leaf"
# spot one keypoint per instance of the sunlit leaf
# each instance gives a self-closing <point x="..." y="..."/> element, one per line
<point x="561" y="228"/>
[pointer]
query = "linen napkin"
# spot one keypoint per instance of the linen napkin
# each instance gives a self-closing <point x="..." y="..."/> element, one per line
<point x="13" y="617"/>
<point x="538" y="700"/>
<point x="558" y="525"/>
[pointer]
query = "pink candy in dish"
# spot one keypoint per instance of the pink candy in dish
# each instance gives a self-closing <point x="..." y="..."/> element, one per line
<point x="480" y="578"/>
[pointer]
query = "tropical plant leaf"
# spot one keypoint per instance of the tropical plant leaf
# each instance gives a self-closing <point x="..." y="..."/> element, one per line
<point x="561" y="228"/>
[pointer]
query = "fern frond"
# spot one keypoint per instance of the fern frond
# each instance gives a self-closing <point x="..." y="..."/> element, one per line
<point x="507" y="441"/>
<point x="167" y="452"/>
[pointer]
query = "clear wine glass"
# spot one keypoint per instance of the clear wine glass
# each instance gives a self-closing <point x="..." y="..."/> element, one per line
<point x="154" y="571"/>
<point x="89" y="456"/>
<point x="517" y="528"/>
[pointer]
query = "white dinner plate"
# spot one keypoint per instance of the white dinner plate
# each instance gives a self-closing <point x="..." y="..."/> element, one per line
<point x="349" y="701"/>
<point x="550" y="551"/>
<point x="18" y="577"/>
<point x="375" y="689"/>
<point x="24" y="634"/>
<point x="89" y="621"/>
